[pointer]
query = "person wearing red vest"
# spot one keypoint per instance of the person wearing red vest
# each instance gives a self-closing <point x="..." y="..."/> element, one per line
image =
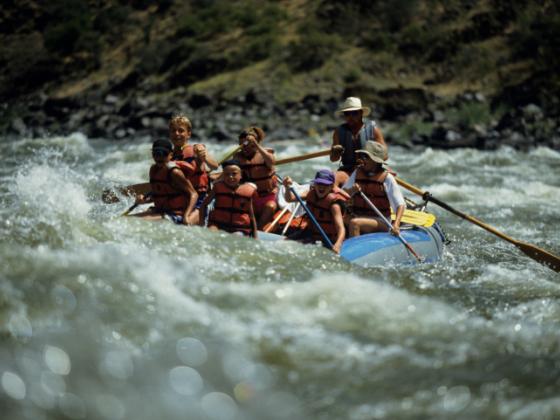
<point x="173" y="195"/>
<point x="379" y="186"/>
<point x="326" y="202"/>
<point x="180" y="131"/>
<point x="233" y="203"/>
<point x="351" y="136"/>
<point x="257" y="165"/>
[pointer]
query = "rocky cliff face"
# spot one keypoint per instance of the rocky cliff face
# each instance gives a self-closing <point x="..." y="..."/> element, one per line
<point x="446" y="74"/>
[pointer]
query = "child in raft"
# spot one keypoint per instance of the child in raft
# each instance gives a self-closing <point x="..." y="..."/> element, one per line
<point x="173" y="195"/>
<point x="200" y="163"/>
<point x="257" y="165"/>
<point x="233" y="206"/>
<point x="326" y="202"/>
<point x="379" y="186"/>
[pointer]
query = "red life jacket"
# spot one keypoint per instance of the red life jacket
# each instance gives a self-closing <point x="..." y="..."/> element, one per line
<point x="198" y="176"/>
<point x="372" y="186"/>
<point x="321" y="210"/>
<point x="166" y="197"/>
<point x="255" y="170"/>
<point x="231" y="208"/>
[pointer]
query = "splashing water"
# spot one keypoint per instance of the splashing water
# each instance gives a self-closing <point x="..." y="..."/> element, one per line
<point x="118" y="318"/>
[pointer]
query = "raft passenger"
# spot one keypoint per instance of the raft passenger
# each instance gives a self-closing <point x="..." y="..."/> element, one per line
<point x="233" y="205"/>
<point x="200" y="163"/>
<point x="173" y="195"/>
<point x="257" y="165"/>
<point x="379" y="186"/>
<point x="352" y="136"/>
<point x="326" y="202"/>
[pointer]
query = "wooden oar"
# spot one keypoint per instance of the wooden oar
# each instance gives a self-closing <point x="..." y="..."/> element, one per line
<point x="390" y="226"/>
<point x="276" y="219"/>
<point x="534" y="252"/>
<point x="287" y="226"/>
<point x="416" y="218"/>
<point x="303" y="157"/>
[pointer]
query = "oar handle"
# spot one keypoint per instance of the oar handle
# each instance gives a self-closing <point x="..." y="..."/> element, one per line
<point x="313" y="220"/>
<point x="390" y="226"/>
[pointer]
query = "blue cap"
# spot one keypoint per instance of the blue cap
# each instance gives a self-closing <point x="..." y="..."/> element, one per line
<point x="324" y="177"/>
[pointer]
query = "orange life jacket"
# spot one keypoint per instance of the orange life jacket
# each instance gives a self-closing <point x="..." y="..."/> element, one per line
<point x="297" y="223"/>
<point x="255" y="170"/>
<point x="231" y="208"/>
<point x="372" y="186"/>
<point x="166" y="197"/>
<point x="321" y="210"/>
<point x="198" y="176"/>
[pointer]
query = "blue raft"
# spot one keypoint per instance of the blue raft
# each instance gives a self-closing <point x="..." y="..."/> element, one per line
<point x="382" y="248"/>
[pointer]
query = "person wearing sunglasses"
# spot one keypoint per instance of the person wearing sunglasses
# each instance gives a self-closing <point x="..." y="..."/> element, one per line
<point x="352" y="135"/>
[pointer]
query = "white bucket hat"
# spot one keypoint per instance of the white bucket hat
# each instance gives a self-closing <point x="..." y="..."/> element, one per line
<point x="353" y="104"/>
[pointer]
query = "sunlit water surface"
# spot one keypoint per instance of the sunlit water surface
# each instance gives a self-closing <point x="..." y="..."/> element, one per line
<point x="107" y="317"/>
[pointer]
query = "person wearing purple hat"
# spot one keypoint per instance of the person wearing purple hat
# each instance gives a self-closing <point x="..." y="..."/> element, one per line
<point x="326" y="202"/>
<point x="351" y="136"/>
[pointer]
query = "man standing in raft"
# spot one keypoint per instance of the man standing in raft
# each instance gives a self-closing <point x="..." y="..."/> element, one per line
<point x="172" y="193"/>
<point x="257" y="166"/>
<point x="233" y="206"/>
<point x="351" y="136"/>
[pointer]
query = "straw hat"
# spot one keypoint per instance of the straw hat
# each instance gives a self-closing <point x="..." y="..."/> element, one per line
<point x="375" y="151"/>
<point x="353" y="104"/>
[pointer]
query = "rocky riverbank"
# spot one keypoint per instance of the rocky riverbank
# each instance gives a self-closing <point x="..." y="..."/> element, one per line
<point x="466" y="121"/>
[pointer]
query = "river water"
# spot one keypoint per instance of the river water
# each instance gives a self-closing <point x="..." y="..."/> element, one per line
<point x="107" y="317"/>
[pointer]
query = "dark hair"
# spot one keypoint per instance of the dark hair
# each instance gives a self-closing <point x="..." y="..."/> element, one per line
<point x="231" y="162"/>
<point x="253" y="131"/>
<point x="162" y="144"/>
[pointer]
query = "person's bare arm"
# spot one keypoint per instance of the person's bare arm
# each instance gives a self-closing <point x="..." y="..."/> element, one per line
<point x="378" y="137"/>
<point x="336" y="149"/>
<point x="180" y="182"/>
<point x="202" y="157"/>
<point x="254" y="229"/>
<point x="336" y="212"/>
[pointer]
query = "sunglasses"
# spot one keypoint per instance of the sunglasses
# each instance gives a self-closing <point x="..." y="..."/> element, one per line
<point x="351" y="113"/>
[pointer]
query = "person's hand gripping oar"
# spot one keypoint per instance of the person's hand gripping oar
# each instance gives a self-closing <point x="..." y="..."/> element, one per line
<point x="390" y="226"/>
<point x="326" y="239"/>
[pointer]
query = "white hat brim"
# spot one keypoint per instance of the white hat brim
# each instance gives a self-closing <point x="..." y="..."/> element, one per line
<point x="365" y="110"/>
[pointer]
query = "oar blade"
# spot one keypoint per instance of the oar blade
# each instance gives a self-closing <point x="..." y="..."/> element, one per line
<point x="540" y="255"/>
<point x="416" y="218"/>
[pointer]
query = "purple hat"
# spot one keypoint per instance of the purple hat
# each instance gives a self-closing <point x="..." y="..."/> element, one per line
<point x="324" y="177"/>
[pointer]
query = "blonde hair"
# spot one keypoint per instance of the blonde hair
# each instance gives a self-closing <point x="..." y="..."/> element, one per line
<point x="253" y="131"/>
<point x="180" y="119"/>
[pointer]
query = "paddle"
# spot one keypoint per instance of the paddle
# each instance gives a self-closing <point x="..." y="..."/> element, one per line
<point x="417" y="218"/>
<point x="303" y="157"/>
<point x="389" y="226"/>
<point x="313" y="220"/>
<point x="276" y="219"/>
<point x="534" y="252"/>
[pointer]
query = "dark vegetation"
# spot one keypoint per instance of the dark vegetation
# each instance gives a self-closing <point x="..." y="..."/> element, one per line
<point x="117" y="68"/>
